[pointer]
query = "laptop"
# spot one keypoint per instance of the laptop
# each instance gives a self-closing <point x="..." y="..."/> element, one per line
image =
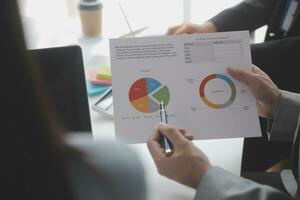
<point x="62" y="70"/>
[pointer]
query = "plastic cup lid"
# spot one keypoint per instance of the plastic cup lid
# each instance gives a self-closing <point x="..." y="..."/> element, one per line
<point x="90" y="4"/>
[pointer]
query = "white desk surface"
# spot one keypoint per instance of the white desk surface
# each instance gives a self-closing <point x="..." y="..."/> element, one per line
<point x="225" y="153"/>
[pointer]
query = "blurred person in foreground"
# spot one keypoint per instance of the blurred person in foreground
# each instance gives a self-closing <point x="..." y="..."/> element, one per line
<point x="39" y="159"/>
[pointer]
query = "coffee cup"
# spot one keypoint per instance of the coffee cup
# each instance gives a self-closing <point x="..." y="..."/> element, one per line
<point x="91" y="17"/>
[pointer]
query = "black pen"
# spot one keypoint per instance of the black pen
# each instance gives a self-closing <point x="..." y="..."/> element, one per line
<point x="167" y="145"/>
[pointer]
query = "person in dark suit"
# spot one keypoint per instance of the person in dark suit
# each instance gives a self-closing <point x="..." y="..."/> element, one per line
<point x="278" y="56"/>
<point x="249" y="15"/>
<point x="281" y="44"/>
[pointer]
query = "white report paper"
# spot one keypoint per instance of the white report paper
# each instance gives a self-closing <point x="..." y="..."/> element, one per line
<point x="188" y="73"/>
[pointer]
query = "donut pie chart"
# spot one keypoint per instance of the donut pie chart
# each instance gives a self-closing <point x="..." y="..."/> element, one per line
<point x="208" y="102"/>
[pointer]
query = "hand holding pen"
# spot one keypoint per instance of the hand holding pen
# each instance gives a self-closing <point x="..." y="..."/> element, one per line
<point x="166" y="144"/>
<point x="186" y="164"/>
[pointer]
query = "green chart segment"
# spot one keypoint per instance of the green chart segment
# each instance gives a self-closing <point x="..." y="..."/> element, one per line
<point x="145" y="95"/>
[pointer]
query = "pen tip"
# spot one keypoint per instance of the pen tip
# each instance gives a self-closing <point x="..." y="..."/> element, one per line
<point x="161" y="105"/>
<point x="168" y="152"/>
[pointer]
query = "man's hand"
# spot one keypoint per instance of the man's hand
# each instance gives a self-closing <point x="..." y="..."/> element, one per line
<point x="189" y="28"/>
<point x="265" y="91"/>
<point x="186" y="165"/>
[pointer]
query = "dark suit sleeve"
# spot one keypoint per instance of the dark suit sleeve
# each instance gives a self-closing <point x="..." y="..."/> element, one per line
<point x="286" y="120"/>
<point x="248" y="15"/>
<point x="280" y="59"/>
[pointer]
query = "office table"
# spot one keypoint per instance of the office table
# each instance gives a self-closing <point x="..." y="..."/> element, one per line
<point x="225" y="153"/>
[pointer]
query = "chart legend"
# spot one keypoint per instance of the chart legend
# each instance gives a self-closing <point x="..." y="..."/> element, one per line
<point x="145" y="95"/>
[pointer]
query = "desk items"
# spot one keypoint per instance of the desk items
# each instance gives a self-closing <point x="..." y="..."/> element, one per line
<point x="95" y="90"/>
<point x="99" y="81"/>
<point x="136" y="32"/>
<point x="91" y="17"/>
<point x="104" y="73"/>
<point x="104" y="104"/>
<point x="188" y="73"/>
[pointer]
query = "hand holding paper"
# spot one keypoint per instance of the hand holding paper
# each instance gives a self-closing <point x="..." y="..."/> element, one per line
<point x="265" y="91"/>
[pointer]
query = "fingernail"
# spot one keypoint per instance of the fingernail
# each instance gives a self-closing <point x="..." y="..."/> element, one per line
<point x="230" y="69"/>
<point x="234" y="69"/>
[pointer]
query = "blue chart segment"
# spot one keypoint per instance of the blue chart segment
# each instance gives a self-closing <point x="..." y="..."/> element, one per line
<point x="152" y="85"/>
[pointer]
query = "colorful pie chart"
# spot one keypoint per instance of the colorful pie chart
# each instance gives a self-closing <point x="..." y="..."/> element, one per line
<point x="208" y="102"/>
<point x="145" y="95"/>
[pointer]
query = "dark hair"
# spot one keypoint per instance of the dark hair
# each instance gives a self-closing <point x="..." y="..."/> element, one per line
<point x="32" y="149"/>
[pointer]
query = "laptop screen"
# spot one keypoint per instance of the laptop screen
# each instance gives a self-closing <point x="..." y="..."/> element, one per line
<point x="63" y="72"/>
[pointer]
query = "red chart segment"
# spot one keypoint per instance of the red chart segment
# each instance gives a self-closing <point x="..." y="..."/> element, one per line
<point x="203" y="83"/>
<point x="138" y="89"/>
